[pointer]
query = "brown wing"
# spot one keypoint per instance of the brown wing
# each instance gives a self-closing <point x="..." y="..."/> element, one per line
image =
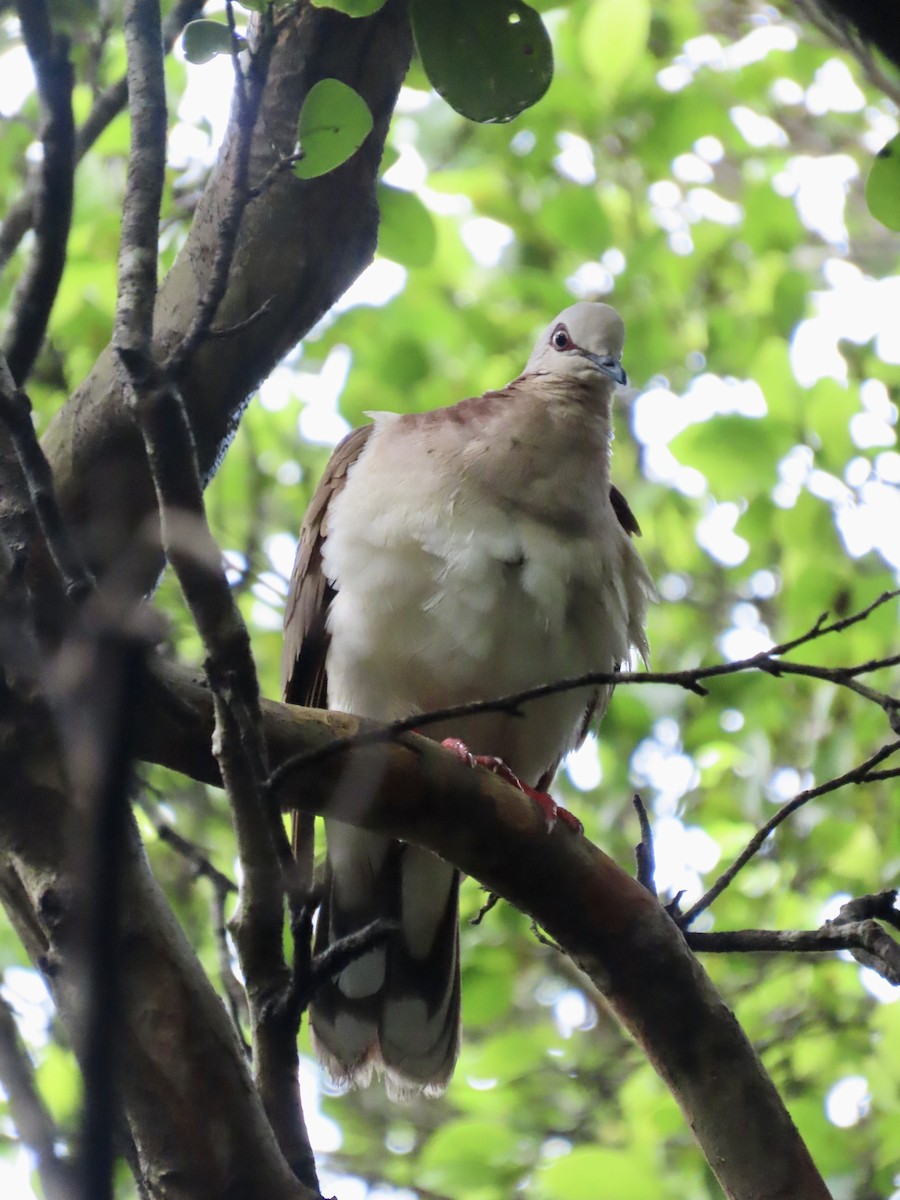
<point x="621" y="508"/>
<point x="305" y="647"/>
<point x="310" y="594"/>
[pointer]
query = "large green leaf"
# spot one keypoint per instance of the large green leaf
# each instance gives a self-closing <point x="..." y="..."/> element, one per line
<point x="334" y="123"/>
<point x="489" y="59"/>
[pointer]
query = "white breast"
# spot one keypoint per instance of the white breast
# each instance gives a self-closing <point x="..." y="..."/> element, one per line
<point x="444" y="598"/>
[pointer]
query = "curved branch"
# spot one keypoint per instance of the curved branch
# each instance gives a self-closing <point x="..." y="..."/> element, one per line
<point x="605" y="920"/>
<point x="51" y="202"/>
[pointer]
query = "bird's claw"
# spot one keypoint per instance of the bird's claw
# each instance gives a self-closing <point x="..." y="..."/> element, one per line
<point x="551" y="810"/>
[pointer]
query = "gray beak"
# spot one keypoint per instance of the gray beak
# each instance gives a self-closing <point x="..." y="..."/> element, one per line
<point x="609" y="366"/>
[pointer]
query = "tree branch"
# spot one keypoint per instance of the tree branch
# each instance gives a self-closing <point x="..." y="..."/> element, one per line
<point x="139" y="245"/>
<point x="248" y="93"/>
<point x="858" y="774"/>
<point x="197" y="1121"/>
<point x="769" y="661"/>
<point x="15" y="414"/>
<point x="51" y="202"/>
<point x="240" y="752"/>
<point x="221" y="888"/>
<point x="609" y="923"/>
<point x="32" y="1119"/>
<point x="865" y="938"/>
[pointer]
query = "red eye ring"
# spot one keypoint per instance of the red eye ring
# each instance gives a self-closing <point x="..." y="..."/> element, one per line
<point x="559" y="338"/>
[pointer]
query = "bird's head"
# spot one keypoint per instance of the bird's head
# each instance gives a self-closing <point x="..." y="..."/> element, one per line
<point x="584" y="340"/>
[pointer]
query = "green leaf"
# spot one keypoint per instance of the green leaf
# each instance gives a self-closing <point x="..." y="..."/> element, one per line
<point x="334" y="123"/>
<point x="489" y="59"/>
<point x="203" y="40"/>
<point x="352" y="8"/>
<point x="613" y="40"/>
<point x="735" y="454"/>
<point x="883" y="185"/>
<point x="406" y="233"/>
<point x="590" y="1171"/>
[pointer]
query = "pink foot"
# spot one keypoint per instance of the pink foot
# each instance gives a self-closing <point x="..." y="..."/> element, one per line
<point x="548" y="806"/>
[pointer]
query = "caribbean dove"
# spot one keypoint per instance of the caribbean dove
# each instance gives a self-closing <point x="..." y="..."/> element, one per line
<point x="450" y="556"/>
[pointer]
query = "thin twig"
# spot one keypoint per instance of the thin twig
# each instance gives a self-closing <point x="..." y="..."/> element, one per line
<point x="239" y="748"/>
<point x="227" y="331"/>
<point x="544" y="939"/>
<point x="767" y="660"/>
<point x="866" y="938"/>
<point x="346" y="950"/>
<point x="643" y="851"/>
<point x="30" y="1115"/>
<point x="15" y="413"/>
<point x="859" y="774"/>
<point x="492" y="901"/>
<point x="248" y="91"/>
<point x="836" y="29"/>
<point x="52" y="193"/>
<point x="139" y="247"/>
<point x="221" y="888"/>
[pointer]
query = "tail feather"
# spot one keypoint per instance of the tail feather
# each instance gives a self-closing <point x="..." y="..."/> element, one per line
<point x="396" y="1009"/>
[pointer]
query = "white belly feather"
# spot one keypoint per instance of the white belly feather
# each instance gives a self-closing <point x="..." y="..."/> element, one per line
<point x="432" y="610"/>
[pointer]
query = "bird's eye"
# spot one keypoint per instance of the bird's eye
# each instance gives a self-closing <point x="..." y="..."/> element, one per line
<point x="560" y="339"/>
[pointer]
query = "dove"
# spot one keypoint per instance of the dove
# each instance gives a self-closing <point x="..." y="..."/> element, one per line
<point x="451" y="556"/>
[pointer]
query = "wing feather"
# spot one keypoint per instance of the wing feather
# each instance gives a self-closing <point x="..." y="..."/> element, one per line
<point x="304" y="677"/>
<point x="303" y="674"/>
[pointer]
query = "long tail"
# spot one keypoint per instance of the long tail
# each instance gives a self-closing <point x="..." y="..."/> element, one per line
<point x="395" y="1009"/>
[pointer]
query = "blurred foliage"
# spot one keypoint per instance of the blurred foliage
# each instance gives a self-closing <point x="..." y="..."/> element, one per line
<point x="676" y="165"/>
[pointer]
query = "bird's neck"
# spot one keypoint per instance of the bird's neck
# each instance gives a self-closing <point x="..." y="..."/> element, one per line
<point x="549" y="442"/>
